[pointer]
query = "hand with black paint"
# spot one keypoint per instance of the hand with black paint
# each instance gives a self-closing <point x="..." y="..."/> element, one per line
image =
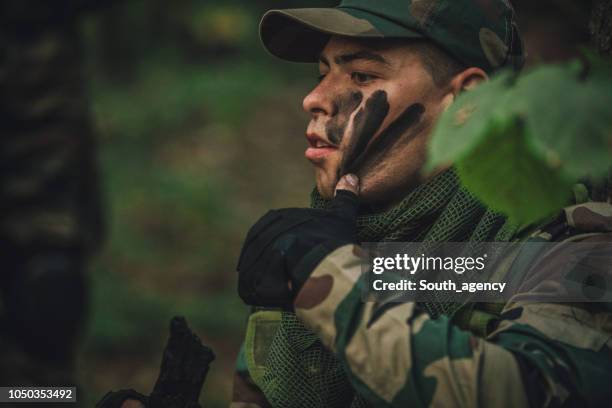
<point x="365" y="150"/>
<point x="283" y="248"/>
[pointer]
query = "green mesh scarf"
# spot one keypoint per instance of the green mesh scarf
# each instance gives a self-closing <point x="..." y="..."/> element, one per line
<point x="300" y="372"/>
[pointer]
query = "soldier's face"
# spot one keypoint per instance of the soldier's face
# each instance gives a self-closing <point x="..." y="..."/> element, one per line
<point x="371" y="114"/>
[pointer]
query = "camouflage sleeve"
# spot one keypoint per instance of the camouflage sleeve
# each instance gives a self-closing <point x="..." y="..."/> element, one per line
<point x="395" y="355"/>
<point x="565" y="349"/>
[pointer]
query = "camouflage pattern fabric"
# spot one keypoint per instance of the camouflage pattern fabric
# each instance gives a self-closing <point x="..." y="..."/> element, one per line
<point x="402" y="357"/>
<point x="534" y="354"/>
<point x="480" y="33"/>
<point x="295" y="368"/>
<point x="540" y="355"/>
<point x="48" y="181"/>
<point x="50" y="215"/>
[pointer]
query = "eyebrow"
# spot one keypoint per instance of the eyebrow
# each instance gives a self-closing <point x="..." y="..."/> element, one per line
<point x="359" y="55"/>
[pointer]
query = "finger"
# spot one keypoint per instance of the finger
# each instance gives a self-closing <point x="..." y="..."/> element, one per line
<point x="132" y="404"/>
<point x="349" y="182"/>
<point x="346" y="200"/>
<point x="253" y="248"/>
<point x="365" y="125"/>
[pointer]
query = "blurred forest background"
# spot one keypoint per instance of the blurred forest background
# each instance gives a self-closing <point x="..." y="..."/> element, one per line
<point x="200" y="132"/>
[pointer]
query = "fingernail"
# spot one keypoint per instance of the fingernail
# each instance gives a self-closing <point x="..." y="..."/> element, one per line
<point x="352" y="179"/>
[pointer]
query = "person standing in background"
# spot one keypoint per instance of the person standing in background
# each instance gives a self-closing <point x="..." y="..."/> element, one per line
<point x="51" y="219"/>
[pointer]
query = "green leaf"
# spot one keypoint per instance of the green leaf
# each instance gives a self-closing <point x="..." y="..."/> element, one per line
<point x="469" y="120"/>
<point x="519" y="144"/>
<point x="568" y="120"/>
<point x="505" y="174"/>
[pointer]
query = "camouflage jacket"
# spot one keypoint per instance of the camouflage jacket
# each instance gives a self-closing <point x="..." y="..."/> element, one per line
<point x="534" y="354"/>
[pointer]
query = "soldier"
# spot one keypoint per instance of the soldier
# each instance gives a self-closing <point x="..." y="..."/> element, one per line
<point x="51" y="219"/>
<point x="388" y="70"/>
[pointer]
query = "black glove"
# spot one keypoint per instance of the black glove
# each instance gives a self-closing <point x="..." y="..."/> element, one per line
<point x="286" y="246"/>
<point x="183" y="371"/>
<point x="115" y="399"/>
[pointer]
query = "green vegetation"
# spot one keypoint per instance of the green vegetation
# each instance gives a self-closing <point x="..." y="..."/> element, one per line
<point x="519" y="144"/>
<point x="172" y="110"/>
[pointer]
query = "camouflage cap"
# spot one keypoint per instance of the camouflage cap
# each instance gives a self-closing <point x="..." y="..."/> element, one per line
<point x="480" y="33"/>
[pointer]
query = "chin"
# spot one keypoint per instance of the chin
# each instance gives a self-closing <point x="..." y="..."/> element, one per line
<point x="326" y="191"/>
<point x="325" y="186"/>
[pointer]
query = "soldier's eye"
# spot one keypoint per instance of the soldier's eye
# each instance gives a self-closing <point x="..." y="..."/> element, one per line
<point x="362" y="78"/>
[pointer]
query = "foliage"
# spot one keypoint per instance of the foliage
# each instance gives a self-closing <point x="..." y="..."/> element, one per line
<point x="520" y="143"/>
<point x="166" y="95"/>
<point x="129" y="320"/>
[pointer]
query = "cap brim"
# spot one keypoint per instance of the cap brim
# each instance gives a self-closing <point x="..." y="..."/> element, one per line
<point x="299" y="35"/>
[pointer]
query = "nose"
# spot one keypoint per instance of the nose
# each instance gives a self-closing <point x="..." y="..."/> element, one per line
<point x="319" y="100"/>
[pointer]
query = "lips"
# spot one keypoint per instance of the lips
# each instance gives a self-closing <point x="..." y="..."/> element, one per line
<point x="318" y="148"/>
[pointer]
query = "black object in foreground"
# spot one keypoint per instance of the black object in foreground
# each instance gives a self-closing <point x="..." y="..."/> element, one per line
<point x="183" y="370"/>
<point x="286" y="246"/>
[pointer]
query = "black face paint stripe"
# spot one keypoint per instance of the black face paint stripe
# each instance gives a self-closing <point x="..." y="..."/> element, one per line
<point x="367" y="121"/>
<point x="343" y="108"/>
<point x="394" y="136"/>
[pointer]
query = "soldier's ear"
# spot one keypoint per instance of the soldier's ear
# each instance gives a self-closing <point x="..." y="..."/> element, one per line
<point x="467" y="80"/>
